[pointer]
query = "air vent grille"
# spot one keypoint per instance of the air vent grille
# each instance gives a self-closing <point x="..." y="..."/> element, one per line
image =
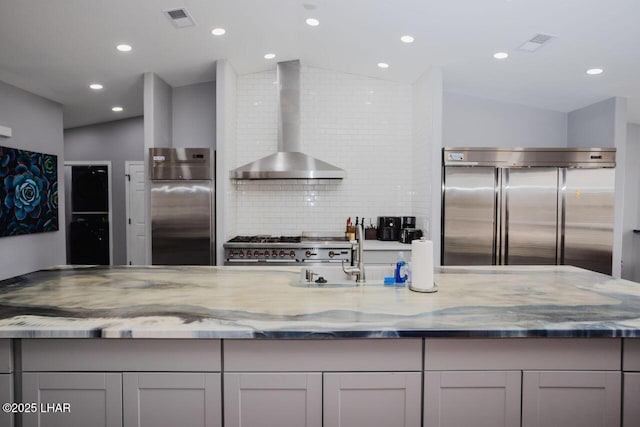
<point x="536" y="42"/>
<point x="180" y="17"/>
<point x="177" y="14"/>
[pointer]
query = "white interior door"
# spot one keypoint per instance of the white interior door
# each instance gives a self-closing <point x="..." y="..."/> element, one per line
<point x="136" y="236"/>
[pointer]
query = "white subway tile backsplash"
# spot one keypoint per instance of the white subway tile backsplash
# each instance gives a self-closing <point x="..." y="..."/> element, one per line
<point x="361" y="124"/>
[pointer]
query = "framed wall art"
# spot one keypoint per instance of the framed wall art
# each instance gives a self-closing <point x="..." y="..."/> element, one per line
<point x="28" y="192"/>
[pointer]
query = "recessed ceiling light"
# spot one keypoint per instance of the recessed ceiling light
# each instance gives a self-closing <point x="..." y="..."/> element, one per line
<point x="95" y="86"/>
<point x="124" y="48"/>
<point x="501" y="55"/>
<point x="218" y="31"/>
<point x="594" y="71"/>
<point x="312" y="22"/>
<point x="383" y="65"/>
<point x="117" y="109"/>
<point x="269" y="56"/>
<point x="407" y="39"/>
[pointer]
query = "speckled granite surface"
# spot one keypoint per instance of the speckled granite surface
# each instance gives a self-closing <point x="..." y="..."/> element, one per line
<point x="256" y="302"/>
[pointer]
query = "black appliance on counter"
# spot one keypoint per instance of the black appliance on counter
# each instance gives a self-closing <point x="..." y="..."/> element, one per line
<point x="389" y="228"/>
<point x="408" y="235"/>
<point x="408" y="222"/>
<point x="408" y="230"/>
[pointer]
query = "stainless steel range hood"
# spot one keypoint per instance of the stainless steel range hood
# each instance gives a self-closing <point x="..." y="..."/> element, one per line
<point x="288" y="162"/>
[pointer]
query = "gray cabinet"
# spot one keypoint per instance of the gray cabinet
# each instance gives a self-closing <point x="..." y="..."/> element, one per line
<point x="630" y="406"/>
<point x="6" y="396"/>
<point x="571" y="399"/>
<point x="95" y="399"/>
<point x="171" y="399"/>
<point x="327" y="383"/>
<point x="453" y="399"/>
<point x="372" y="399"/>
<point x="273" y="399"/>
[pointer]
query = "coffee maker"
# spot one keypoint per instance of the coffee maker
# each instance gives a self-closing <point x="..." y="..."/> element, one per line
<point x="408" y="222"/>
<point x="389" y="228"/>
<point x="408" y="230"/>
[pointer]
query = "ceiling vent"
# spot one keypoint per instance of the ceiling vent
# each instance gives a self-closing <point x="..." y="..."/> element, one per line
<point x="180" y="17"/>
<point x="536" y="42"/>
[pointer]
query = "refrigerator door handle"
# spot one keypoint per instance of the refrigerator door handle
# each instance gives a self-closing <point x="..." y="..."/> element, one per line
<point x="562" y="189"/>
<point x="504" y="217"/>
<point x="495" y="255"/>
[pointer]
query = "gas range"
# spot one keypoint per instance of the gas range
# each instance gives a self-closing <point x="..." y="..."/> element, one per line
<point x="287" y="250"/>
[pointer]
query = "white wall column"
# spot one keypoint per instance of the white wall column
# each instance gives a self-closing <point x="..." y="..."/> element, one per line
<point x="226" y="223"/>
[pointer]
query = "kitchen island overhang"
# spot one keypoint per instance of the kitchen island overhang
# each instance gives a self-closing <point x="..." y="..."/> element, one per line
<point x="270" y="302"/>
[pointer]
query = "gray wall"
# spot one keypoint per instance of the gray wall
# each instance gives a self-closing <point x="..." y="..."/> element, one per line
<point x="478" y="122"/>
<point x="194" y="115"/>
<point x="116" y="141"/>
<point x="592" y="126"/>
<point x="37" y="126"/>
<point x="631" y="241"/>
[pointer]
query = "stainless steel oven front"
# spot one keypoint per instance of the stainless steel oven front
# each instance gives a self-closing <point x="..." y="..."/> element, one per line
<point x="287" y="252"/>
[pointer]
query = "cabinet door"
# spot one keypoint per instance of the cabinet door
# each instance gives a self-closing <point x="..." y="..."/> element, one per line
<point x="372" y="399"/>
<point x="631" y="409"/>
<point x="273" y="400"/>
<point x="490" y="399"/>
<point x="172" y="399"/>
<point x="6" y="396"/>
<point x="568" y="399"/>
<point x="95" y="399"/>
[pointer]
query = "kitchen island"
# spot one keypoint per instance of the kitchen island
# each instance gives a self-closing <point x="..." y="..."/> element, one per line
<point x="495" y="345"/>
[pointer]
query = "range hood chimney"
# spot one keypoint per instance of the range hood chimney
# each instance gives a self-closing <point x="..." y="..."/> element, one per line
<point x="288" y="162"/>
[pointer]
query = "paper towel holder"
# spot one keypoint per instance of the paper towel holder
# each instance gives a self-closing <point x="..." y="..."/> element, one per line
<point x="425" y="291"/>
<point x="420" y="289"/>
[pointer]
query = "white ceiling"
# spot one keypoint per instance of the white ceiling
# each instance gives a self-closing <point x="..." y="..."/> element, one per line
<point x="55" y="48"/>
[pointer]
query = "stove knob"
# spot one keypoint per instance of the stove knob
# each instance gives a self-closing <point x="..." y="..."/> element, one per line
<point x="249" y="254"/>
<point x="230" y="254"/>
<point x="274" y="254"/>
<point x="292" y="254"/>
<point x="266" y="254"/>
<point x="241" y="254"/>
<point x="256" y="254"/>
<point x="281" y="254"/>
<point x="331" y="254"/>
<point x="308" y="254"/>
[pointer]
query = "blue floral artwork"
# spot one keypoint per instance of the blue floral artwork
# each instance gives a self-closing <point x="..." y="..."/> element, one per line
<point x="28" y="192"/>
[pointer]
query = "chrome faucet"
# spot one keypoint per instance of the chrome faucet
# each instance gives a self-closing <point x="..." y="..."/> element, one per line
<point x="358" y="270"/>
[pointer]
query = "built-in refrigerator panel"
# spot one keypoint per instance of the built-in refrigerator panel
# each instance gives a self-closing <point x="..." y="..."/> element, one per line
<point x="469" y="198"/>
<point x="589" y="216"/>
<point x="181" y="223"/>
<point x="530" y="213"/>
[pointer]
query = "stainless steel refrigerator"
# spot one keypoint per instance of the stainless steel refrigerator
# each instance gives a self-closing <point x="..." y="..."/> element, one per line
<point x="182" y="206"/>
<point x="536" y="206"/>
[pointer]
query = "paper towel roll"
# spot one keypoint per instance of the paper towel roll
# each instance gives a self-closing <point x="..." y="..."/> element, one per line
<point x="422" y="266"/>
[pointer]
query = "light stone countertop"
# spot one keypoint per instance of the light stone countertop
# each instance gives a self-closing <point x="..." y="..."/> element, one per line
<point x="269" y="302"/>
